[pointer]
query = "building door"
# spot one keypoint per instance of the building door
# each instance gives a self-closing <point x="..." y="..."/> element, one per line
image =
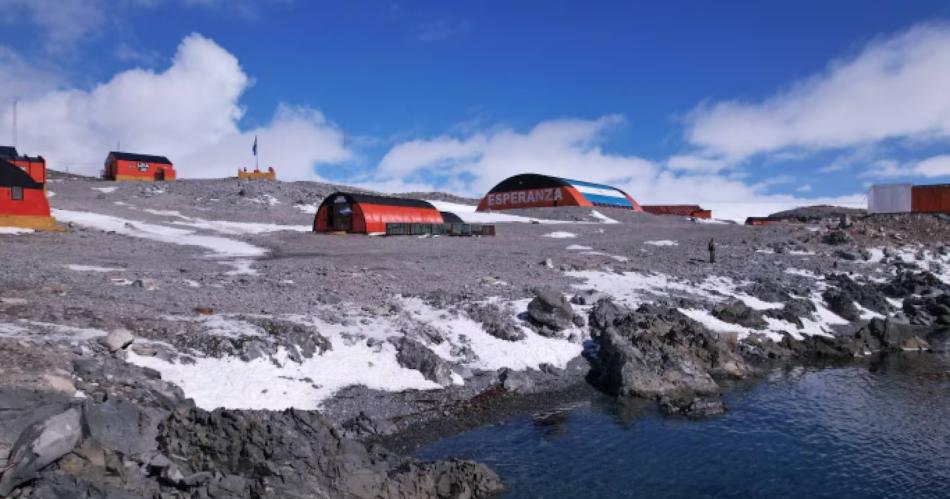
<point x="160" y="174"/>
<point x="342" y="217"/>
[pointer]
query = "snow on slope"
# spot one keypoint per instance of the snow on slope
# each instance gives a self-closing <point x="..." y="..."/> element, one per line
<point x="228" y="227"/>
<point x="360" y="354"/>
<point x="220" y="246"/>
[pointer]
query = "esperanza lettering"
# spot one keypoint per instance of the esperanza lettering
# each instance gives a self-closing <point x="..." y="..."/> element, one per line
<point x="552" y="195"/>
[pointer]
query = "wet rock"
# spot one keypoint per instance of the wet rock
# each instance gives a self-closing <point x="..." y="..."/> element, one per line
<point x="299" y="454"/>
<point x="693" y="407"/>
<point x="117" y="340"/>
<point x="414" y="355"/>
<point x="516" y="381"/>
<point x="739" y="313"/>
<point x="890" y="334"/>
<point x="658" y="352"/>
<point x="496" y="321"/>
<point x="551" y="310"/>
<point x="40" y="445"/>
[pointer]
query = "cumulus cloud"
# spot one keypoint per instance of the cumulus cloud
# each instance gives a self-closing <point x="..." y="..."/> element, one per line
<point x="933" y="167"/>
<point x="188" y="112"/>
<point x="573" y="148"/>
<point x="893" y="89"/>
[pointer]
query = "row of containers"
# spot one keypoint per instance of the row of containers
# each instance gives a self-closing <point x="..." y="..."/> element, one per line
<point x="458" y="230"/>
<point x="909" y="198"/>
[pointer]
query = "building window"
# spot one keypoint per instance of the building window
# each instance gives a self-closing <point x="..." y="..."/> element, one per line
<point x="16" y="193"/>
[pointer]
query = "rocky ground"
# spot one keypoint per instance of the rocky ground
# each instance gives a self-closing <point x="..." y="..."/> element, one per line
<point x="195" y="339"/>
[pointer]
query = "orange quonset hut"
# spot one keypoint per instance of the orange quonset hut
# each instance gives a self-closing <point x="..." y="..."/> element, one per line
<point x="680" y="210"/>
<point x="531" y="190"/>
<point x="369" y="214"/>
<point x="23" y="201"/>
<point x="270" y="174"/>
<point x="127" y="166"/>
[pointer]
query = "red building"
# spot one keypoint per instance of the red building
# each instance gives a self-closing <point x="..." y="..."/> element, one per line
<point x="368" y="214"/>
<point x="930" y="198"/>
<point x="531" y="190"/>
<point x="681" y="210"/>
<point x="126" y="166"/>
<point x="23" y="200"/>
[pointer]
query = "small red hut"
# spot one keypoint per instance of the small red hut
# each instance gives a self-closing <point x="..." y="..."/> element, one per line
<point x="126" y="166"/>
<point x="23" y="200"/>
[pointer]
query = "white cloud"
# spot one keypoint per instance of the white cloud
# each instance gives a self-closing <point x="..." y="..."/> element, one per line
<point x="895" y="88"/>
<point x="19" y="79"/>
<point x="62" y="22"/>
<point x="933" y="167"/>
<point x="696" y="164"/>
<point x="188" y="112"/>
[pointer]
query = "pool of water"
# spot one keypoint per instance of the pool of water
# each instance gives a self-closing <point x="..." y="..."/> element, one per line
<point x="879" y="430"/>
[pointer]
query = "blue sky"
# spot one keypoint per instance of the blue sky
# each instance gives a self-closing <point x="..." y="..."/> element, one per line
<point x="674" y="101"/>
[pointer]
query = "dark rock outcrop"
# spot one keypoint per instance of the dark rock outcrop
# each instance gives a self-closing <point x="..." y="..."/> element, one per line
<point x="414" y="355"/>
<point x="658" y="353"/>
<point x="298" y="454"/>
<point x="551" y="311"/>
<point x="496" y="321"/>
<point x="737" y="312"/>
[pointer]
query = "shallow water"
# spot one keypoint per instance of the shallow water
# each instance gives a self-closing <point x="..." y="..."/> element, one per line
<point x="878" y="430"/>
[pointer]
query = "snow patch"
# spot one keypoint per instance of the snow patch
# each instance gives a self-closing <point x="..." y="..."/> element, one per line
<point x="242" y="266"/>
<point x="105" y="190"/>
<point x="561" y="235"/>
<point x="490" y="352"/>
<point x="220" y="246"/>
<point x="578" y="247"/>
<point x="664" y="242"/>
<point x="91" y="268"/>
<point x="603" y="218"/>
<point x="14" y="231"/>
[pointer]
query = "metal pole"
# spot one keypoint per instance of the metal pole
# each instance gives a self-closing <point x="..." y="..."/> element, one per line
<point x="15" y="101"/>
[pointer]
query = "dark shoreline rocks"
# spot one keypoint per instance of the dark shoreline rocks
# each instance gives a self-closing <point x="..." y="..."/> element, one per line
<point x="658" y="353"/>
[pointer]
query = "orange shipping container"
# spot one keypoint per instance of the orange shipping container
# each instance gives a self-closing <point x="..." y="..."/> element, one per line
<point x="930" y="198"/>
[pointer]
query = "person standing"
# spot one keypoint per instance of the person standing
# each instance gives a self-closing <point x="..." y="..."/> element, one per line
<point x="712" y="250"/>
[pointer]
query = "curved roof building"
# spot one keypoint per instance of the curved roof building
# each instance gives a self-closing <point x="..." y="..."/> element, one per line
<point x="531" y="190"/>
<point x="369" y="214"/>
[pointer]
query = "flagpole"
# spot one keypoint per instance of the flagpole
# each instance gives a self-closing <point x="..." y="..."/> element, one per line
<point x="257" y="157"/>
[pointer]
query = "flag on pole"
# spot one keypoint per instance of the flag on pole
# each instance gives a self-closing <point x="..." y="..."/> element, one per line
<point x="254" y="149"/>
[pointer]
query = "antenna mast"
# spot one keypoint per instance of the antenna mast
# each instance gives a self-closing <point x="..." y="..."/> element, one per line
<point x="15" y="101"/>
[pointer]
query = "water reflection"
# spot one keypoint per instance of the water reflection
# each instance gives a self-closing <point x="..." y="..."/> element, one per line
<point x="874" y="430"/>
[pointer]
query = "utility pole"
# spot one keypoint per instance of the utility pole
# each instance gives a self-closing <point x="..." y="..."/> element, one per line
<point x="15" y="102"/>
